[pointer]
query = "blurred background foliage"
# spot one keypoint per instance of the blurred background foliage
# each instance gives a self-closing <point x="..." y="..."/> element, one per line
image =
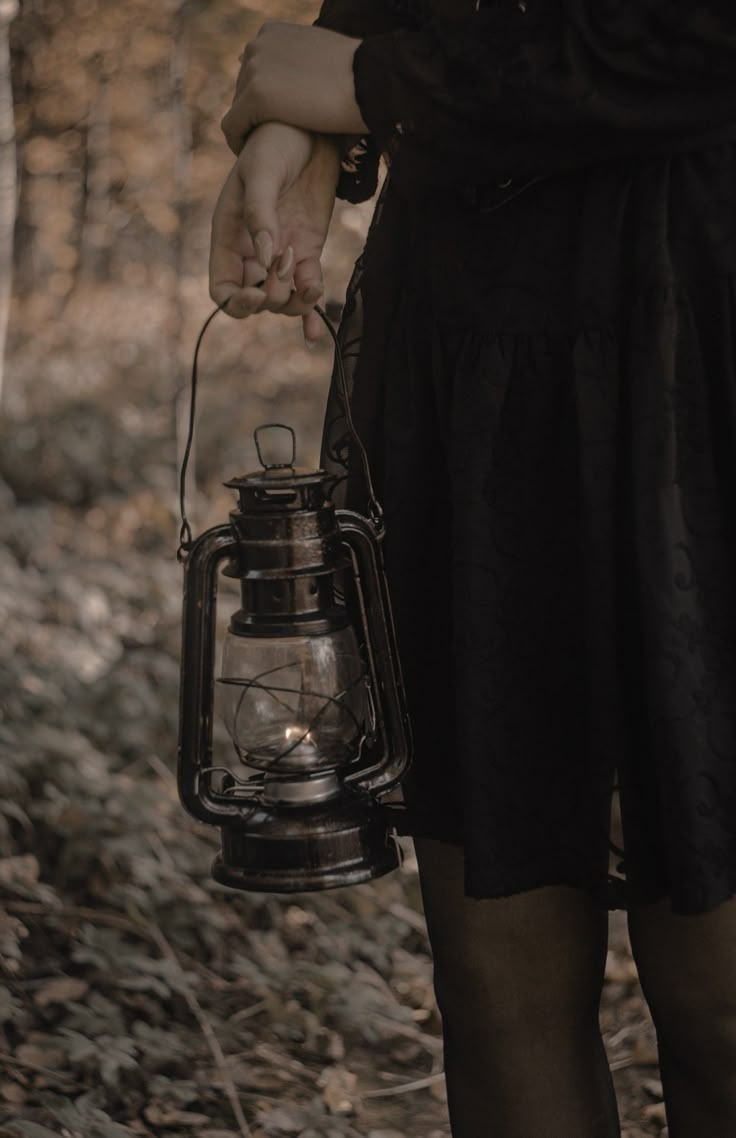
<point x="121" y="159"/>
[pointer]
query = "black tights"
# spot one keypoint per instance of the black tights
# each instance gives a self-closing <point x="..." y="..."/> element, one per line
<point x="518" y="983"/>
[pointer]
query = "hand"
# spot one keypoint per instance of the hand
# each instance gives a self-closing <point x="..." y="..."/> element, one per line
<point x="270" y="225"/>
<point x="296" y="74"/>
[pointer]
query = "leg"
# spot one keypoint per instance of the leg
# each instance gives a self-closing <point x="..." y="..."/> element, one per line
<point x="687" y="967"/>
<point x="518" y="983"/>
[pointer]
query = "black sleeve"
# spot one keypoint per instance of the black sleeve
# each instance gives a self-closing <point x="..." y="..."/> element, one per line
<point x="359" y="172"/>
<point x="517" y="90"/>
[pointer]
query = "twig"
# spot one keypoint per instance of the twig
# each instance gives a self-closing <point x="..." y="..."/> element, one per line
<point x="619" y="1036"/>
<point x="410" y="917"/>
<point x="627" y="1061"/>
<point x="164" y="773"/>
<point x="33" y="909"/>
<point x="215" y="981"/>
<point x="206" y="1027"/>
<point x="26" y="1066"/>
<point x="246" y="1013"/>
<point x="417" y="1085"/>
<point x="431" y="1042"/>
<point x="272" y="1055"/>
<point x="160" y="850"/>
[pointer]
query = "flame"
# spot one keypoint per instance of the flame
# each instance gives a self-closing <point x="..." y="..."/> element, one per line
<point x="297" y="733"/>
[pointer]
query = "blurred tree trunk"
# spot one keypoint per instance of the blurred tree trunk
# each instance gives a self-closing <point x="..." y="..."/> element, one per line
<point x="8" y="187"/>
<point x="182" y="136"/>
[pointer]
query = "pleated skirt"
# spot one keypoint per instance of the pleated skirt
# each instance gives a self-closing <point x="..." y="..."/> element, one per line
<point x="547" y="396"/>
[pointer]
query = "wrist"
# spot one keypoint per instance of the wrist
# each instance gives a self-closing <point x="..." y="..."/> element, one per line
<point x="328" y="153"/>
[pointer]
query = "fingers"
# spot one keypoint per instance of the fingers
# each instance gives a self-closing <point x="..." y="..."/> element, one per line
<point x="258" y="293"/>
<point x="250" y="270"/>
<point x="229" y="246"/>
<point x="313" y="328"/>
<point x="245" y="240"/>
<point x="277" y="288"/>
<point x="243" y="302"/>
<point x="272" y="160"/>
<point x="308" y="288"/>
<point x="308" y="281"/>
<point x="262" y="180"/>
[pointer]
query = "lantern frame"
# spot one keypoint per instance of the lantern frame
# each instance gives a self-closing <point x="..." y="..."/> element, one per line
<point x="294" y="847"/>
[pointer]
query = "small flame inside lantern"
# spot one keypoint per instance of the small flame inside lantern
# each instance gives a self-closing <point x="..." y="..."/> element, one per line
<point x="298" y="733"/>
<point x="300" y="743"/>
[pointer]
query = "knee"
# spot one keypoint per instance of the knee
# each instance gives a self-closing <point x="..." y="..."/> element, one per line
<point x="687" y="967"/>
<point x="505" y="994"/>
<point x="696" y="1028"/>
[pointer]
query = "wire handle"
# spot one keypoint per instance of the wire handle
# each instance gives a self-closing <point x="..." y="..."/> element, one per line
<point x="374" y="507"/>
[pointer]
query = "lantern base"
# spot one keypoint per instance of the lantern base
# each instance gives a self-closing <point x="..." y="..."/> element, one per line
<point x="290" y="850"/>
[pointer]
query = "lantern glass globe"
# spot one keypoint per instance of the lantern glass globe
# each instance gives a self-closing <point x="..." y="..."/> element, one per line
<point x="295" y="703"/>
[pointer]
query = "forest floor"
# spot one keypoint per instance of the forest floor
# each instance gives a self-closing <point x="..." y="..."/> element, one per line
<point x="124" y="963"/>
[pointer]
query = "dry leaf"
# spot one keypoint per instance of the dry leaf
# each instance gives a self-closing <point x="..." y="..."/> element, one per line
<point x="655" y="1113"/>
<point x="23" y="870"/>
<point x="12" y="1092"/>
<point x="60" y="990"/>
<point x="620" y="969"/>
<point x="38" y="1056"/>
<point x="160" y="1115"/>
<point x="644" y="1053"/>
<point x="338" y="1089"/>
<point x="438" y="1091"/>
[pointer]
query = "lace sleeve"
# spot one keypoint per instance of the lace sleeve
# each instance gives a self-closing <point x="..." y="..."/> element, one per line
<point x="527" y="89"/>
<point x="360" y="156"/>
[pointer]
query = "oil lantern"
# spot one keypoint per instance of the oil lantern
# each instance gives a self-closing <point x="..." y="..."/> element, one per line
<point x="310" y="688"/>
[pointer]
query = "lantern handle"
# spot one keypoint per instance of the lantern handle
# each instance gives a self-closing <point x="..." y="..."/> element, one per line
<point x="185" y="533"/>
<point x="374" y="506"/>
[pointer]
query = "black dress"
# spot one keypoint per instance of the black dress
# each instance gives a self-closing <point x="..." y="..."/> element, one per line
<point x="541" y="347"/>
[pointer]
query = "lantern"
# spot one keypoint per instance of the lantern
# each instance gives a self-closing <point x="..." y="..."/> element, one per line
<point x="310" y="684"/>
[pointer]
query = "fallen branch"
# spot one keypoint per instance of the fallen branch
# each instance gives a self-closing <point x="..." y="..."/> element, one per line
<point x="404" y="1088"/>
<point x="11" y="1060"/>
<point x="432" y="1042"/>
<point x="95" y="916"/>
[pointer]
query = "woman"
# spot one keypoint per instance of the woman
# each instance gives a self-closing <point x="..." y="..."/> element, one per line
<point x="541" y="335"/>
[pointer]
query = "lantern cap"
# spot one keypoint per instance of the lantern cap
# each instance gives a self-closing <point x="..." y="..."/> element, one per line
<point x="276" y="475"/>
<point x="279" y="477"/>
